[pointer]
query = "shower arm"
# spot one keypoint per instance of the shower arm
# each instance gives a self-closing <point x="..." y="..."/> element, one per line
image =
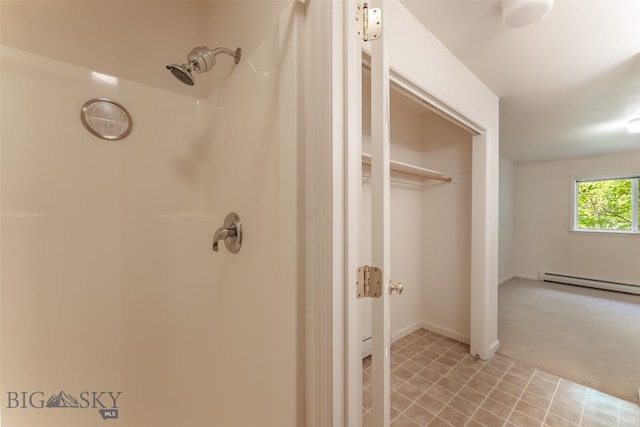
<point x="202" y="59"/>
<point x="235" y="53"/>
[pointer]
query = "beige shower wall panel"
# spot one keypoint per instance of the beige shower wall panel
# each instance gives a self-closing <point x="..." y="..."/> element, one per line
<point x="77" y="216"/>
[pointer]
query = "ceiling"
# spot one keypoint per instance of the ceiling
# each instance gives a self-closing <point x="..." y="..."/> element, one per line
<point x="568" y="84"/>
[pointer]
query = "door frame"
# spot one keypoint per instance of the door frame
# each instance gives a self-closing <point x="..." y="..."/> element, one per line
<point x="332" y="396"/>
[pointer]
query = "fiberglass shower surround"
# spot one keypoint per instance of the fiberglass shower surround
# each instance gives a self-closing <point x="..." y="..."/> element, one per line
<point x="149" y="309"/>
<point x="201" y="59"/>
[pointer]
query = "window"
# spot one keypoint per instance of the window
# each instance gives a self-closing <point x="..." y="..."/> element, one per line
<point x="609" y="204"/>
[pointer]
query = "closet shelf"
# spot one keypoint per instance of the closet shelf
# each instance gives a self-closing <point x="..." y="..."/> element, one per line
<point x="408" y="169"/>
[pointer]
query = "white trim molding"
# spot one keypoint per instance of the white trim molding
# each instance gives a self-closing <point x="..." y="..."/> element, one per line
<point x="323" y="373"/>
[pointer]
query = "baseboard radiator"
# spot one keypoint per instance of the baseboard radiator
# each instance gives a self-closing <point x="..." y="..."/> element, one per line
<point x="590" y="283"/>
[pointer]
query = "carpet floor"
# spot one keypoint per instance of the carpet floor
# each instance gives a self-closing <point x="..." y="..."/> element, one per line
<point x="588" y="336"/>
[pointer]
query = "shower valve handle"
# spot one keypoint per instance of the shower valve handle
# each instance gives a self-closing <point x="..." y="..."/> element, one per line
<point x="230" y="232"/>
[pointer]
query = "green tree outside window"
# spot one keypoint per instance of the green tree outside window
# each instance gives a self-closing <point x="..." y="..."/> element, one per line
<point x="605" y="205"/>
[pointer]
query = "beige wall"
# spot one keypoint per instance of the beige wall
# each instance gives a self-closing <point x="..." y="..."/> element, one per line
<point x="446" y="264"/>
<point x="543" y="210"/>
<point x="132" y="40"/>
<point x="136" y="39"/>
<point x="108" y="278"/>
<point x="506" y="266"/>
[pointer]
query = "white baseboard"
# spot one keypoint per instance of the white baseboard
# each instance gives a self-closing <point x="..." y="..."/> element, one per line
<point x="506" y="279"/>
<point x="494" y="347"/>
<point x="446" y="332"/>
<point x="395" y="336"/>
<point x="527" y="276"/>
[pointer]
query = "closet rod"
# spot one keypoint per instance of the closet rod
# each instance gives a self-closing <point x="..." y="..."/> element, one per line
<point x="408" y="169"/>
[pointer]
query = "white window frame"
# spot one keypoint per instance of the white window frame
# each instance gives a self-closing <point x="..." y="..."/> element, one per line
<point x="635" y="206"/>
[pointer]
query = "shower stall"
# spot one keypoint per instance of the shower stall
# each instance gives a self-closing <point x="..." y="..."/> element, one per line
<point x="114" y="305"/>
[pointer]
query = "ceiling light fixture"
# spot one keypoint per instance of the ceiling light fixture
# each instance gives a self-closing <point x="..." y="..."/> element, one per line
<point x="520" y="13"/>
<point x="634" y="125"/>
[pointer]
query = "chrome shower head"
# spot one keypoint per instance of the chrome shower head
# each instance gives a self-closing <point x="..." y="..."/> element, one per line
<point x="182" y="73"/>
<point x="200" y="59"/>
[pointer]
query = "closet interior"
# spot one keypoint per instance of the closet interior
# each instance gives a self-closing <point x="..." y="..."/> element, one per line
<point x="430" y="218"/>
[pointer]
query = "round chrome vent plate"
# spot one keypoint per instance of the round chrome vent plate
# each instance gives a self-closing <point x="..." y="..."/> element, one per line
<point x="106" y="119"/>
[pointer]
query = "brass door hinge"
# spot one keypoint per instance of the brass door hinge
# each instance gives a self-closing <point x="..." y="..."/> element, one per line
<point x="369" y="282"/>
<point x="368" y="22"/>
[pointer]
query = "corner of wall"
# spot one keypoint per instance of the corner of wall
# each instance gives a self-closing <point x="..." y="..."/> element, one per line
<point x="506" y="232"/>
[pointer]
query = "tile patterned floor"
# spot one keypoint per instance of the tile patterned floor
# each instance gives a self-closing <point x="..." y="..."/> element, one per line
<point x="435" y="382"/>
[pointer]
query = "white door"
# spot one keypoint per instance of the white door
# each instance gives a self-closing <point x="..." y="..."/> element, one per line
<point x="380" y="223"/>
<point x="380" y="231"/>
